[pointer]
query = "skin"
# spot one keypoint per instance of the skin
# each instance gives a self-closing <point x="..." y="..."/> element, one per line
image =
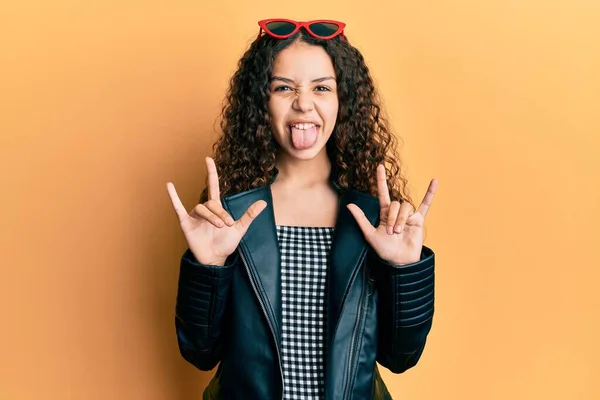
<point x="303" y="88"/>
<point x="404" y="244"/>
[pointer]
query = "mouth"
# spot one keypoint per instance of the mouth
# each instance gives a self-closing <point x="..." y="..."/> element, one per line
<point x="304" y="135"/>
<point x="303" y="125"/>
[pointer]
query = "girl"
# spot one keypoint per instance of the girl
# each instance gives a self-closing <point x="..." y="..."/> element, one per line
<point x="301" y="271"/>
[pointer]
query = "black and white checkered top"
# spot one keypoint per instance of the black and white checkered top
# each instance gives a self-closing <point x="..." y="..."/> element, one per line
<point x="304" y="261"/>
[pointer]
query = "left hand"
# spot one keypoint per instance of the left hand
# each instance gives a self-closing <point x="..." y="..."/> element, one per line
<point x="398" y="239"/>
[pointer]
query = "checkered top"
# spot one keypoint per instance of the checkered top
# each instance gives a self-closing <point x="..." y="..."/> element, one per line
<point x="304" y="260"/>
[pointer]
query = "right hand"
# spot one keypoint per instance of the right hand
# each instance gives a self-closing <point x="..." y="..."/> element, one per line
<point x="211" y="233"/>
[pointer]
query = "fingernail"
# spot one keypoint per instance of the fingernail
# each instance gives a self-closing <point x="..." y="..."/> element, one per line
<point x="399" y="229"/>
<point x="390" y="230"/>
<point x="230" y="221"/>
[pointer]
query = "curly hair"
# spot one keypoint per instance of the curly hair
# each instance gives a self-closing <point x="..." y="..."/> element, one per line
<point x="245" y="153"/>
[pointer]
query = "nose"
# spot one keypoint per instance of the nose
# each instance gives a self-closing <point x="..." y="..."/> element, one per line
<point x="303" y="102"/>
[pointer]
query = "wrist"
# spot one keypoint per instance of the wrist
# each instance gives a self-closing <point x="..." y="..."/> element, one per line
<point x="219" y="262"/>
<point x="399" y="263"/>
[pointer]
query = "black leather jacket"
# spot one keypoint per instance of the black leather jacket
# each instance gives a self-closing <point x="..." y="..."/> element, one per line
<point x="231" y="314"/>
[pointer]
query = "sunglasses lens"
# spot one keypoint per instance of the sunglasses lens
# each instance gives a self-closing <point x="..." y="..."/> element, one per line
<point x="323" y="28"/>
<point x="281" y="27"/>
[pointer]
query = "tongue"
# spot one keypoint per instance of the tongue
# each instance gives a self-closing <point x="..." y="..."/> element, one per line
<point x="304" y="138"/>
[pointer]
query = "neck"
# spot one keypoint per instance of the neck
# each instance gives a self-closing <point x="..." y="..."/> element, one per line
<point x="303" y="173"/>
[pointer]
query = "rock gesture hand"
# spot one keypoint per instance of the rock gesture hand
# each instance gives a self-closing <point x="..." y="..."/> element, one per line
<point x="398" y="239"/>
<point x="211" y="233"/>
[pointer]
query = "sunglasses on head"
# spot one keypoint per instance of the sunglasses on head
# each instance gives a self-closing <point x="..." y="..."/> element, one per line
<point x="280" y="28"/>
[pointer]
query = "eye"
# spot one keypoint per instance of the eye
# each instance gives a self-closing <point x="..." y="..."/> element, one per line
<point x="322" y="89"/>
<point x="282" y="88"/>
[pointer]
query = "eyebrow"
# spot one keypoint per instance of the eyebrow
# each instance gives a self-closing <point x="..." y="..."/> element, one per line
<point x="288" y="80"/>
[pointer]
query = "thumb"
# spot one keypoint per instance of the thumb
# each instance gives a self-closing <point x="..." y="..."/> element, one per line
<point x="251" y="213"/>
<point x="360" y="217"/>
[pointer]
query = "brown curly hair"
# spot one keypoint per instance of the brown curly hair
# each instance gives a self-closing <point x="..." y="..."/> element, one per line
<point x="245" y="152"/>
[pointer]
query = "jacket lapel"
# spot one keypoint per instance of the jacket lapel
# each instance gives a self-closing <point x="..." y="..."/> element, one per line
<point x="260" y="251"/>
<point x="347" y="248"/>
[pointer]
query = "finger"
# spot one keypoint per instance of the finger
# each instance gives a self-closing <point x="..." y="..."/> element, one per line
<point x="213" y="180"/>
<point x="217" y="209"/>
<point x="391" y="217"/>
<point x="364" y="224"/>
<point x="177" y="204"/>
<point x="428" y="199"/>
<point x="201" y="212"/>
<point x="251" y="213"/>
<point x="382" y="187"/>
<point x="405" y="212"/>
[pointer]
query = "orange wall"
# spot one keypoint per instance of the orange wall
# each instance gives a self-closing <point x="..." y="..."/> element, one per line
<point x="102" y="104"/>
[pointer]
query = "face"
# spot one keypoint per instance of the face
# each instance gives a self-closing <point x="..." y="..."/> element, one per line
<point x="303" y="102"/>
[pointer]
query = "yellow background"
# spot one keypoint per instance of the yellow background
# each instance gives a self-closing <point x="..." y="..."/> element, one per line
<point x="104" y="102"/>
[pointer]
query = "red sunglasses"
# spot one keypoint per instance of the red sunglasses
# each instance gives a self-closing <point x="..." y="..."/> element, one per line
<point x="280" y="28"/>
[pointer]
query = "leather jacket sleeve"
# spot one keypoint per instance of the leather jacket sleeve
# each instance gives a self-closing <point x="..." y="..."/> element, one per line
<point x="405" y="310"/>
<point x="202" y="299"/>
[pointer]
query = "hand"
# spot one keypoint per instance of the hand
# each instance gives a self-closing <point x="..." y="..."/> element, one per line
<point x="212" y="235"/>
<point x="398" y="239"/>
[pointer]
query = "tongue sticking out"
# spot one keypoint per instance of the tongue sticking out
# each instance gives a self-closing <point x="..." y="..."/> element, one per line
<point x="304" y="138"/>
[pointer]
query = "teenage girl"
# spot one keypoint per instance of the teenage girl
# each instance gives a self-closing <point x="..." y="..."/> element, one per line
<point x="306" y="265"/>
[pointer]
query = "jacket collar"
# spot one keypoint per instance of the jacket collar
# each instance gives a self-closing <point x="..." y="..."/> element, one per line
<point x="260" y="249"/>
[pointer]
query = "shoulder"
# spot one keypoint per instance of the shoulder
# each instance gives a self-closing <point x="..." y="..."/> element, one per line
<point x="260" y="191"/>
<point x="355" y="196"/>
